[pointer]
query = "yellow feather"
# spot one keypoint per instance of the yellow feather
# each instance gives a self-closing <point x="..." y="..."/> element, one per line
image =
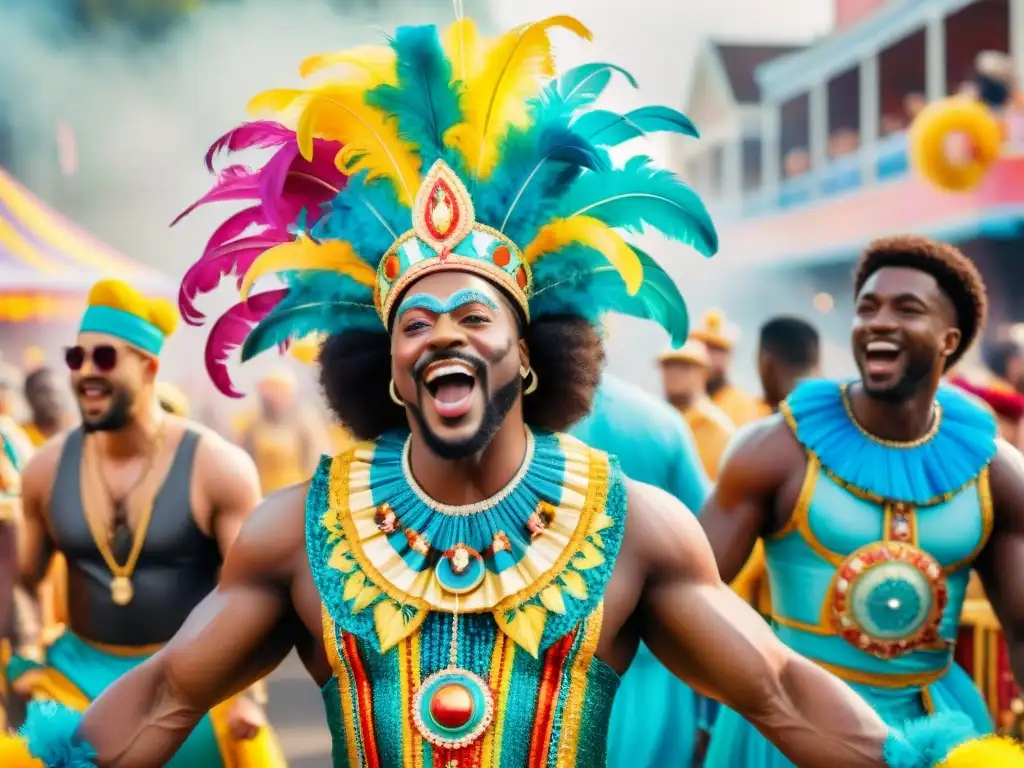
<point x="374" y="63"/>
<point x="14" y="753"/>
<point x="551" y="598"/>
<point x="354" y="585"/>
<point x="526" y="627"/>
<point x="575" y="585"/>
<point x="595" y="234"/>
<point x="275" y="100"/>
<point x="464" y="47"/>
<point x="496" y="91"/>
<point x="304" y="253"/>
<point x="986" y="752"/>
<point x="371" y="140"/>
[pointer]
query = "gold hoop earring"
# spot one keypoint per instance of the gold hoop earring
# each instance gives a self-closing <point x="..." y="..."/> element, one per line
<point x="394" y="395"/>
<point x="530" y="374"/>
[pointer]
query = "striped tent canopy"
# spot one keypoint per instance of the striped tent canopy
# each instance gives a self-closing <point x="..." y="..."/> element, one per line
<point x="48" y="265"/>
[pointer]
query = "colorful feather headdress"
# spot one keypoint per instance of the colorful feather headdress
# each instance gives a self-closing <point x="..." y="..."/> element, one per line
<point x="442" y="151"/>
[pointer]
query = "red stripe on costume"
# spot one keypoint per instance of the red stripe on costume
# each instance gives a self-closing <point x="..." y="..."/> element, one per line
<point x="547" y="698"/>
<point x="365" y="699"/>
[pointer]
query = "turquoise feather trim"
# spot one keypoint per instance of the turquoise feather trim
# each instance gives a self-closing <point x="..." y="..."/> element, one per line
<point x="956" y="454"/>
<point x="51" y="731"/>
<point x="925" y="743"/>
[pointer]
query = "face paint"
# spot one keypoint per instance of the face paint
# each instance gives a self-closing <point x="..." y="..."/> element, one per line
<point x="438" y="306"/>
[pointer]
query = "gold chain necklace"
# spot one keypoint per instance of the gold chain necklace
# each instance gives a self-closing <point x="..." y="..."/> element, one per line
<point x="121" y="589"/>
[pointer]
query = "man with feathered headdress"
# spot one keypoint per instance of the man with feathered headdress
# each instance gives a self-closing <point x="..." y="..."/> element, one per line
<point x="142" y="504"/>
<point x="463" y="583"/>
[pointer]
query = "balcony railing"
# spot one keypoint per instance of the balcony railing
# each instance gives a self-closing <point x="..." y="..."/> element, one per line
<point x="888" y="157"/>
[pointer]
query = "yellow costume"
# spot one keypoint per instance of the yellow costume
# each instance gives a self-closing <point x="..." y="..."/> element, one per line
<point x="740" y="407"/>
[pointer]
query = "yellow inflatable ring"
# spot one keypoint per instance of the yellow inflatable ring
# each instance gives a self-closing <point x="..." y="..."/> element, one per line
<point x="928" y="133"/>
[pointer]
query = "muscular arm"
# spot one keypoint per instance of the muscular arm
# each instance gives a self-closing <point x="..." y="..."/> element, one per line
<point x="228" y="479"/>
<point x="999" y="564"/>
<point x="709" y="637"/>
<point x="34" y="546"/>
<point x="235" y="636"/>
<point x="756" y="467"/>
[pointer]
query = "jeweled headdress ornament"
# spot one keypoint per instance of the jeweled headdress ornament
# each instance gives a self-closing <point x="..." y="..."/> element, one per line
<point x="439" y="152"/>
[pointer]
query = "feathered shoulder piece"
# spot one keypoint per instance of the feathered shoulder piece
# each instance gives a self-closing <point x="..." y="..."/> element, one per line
<point x="442" y="151"/>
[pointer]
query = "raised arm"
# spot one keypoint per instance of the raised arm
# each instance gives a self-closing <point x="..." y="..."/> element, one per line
<point x="235" y="636"/>
<point x="227" y="477"/>
<point x="1000" y="563"/>
<point x="758" y="464"/>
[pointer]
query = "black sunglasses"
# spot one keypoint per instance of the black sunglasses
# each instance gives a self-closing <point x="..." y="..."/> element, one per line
<point x="104" y="357"/>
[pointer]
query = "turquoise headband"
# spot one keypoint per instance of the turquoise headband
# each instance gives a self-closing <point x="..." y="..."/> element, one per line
<point x="123" y="325"/>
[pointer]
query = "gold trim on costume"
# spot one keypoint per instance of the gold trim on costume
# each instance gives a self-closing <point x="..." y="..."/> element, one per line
<point x="933" y="430"/>
<point x="125" y="651"/>
<point x="802" y="508"/>
<point x="987" y="521"/>
<point x="813" y="629"/>
<point x="344" y="685"/>
<point x="879" y="680"/>
<point x="572" y="717"/>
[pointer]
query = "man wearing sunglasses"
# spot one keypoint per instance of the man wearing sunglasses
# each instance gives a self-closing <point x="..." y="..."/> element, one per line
<point x="143" y="505"/>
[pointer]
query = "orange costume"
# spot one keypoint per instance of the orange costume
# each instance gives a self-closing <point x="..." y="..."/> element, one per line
<point x="718" y="337"/>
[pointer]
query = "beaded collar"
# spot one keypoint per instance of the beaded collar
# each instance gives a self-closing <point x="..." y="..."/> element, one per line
<point x="926" y="471"/>
<point x="536" y="555"/>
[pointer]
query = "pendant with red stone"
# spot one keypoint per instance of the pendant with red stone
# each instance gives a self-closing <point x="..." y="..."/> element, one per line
<point x="453" y="708"/>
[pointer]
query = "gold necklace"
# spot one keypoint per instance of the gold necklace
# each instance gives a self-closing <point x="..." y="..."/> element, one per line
<point x="121" y="589"/>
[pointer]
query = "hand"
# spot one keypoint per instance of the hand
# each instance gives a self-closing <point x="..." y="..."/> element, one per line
<point x="245" y="718"/>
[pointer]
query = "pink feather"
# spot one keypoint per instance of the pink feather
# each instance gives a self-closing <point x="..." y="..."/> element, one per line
<point x="234" y="257"/>
<point x="234" y="183"/>
<point x="258" y="134"/>
<point x="230" y="331"/>
<point x="235" y="226"/>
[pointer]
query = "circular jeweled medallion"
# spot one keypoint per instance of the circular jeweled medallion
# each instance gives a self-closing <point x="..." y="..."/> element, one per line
<point x="453" y="708"/>
<point x="121" y="590"/>
<point x="888" y="598"/>
<point x="460" y="570"/>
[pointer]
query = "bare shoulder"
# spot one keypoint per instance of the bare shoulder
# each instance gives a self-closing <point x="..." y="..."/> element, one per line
<point x="220" y="458"/>
<point x="272" y="540"/>
<point x="761" y="456"/>
<point x="39" y="473"/>
<point x="1006" y="480"/>
<point x="667" y="536"/>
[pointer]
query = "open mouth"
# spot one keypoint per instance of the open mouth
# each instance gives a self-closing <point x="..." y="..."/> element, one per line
<point x="881" y="356"/>
<point x="94" y="390"/>
<point x="450" y="384"/>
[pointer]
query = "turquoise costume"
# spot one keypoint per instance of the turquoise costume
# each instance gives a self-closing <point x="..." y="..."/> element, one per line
<point x="654" y="717"/>
<point x="868" y="577"/>
<point x="87" y="670"/>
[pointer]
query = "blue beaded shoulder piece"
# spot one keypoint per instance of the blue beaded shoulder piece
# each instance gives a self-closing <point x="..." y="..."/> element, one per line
<point x="927" y="471"/>
<point x="537" y="555"/>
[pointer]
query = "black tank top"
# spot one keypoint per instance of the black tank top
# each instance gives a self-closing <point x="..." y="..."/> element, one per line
<point x="179" y="564"/>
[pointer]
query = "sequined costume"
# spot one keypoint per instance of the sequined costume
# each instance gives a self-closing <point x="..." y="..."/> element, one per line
<point x="869" y="576"/>
<point x="655" y="715"/>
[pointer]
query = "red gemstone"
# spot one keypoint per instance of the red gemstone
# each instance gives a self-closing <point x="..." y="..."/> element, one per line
<point x="391" y="267"/>
<point x="521" y="277"/>
<point x="501" y="256"/>
<point x="441" y="192"/>
<point x="451" y="706"/>
<point x="847" y="573"/>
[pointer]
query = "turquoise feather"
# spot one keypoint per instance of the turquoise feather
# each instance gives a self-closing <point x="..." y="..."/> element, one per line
<point x="582" y="85"/>
<point x="640" y="195"/>
<point x="587" y="282"/>
<point x="368" y="216"/>
<point x="423" y="102"/>
<point x="318" y="302"/>
<point x="536" y="169"/>
<point x="609" y="129"/>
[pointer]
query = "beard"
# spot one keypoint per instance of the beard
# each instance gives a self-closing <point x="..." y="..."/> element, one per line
<point x="116" y="418"/>
<point x="495" y="409"/>
<point x="916" y="375"/>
